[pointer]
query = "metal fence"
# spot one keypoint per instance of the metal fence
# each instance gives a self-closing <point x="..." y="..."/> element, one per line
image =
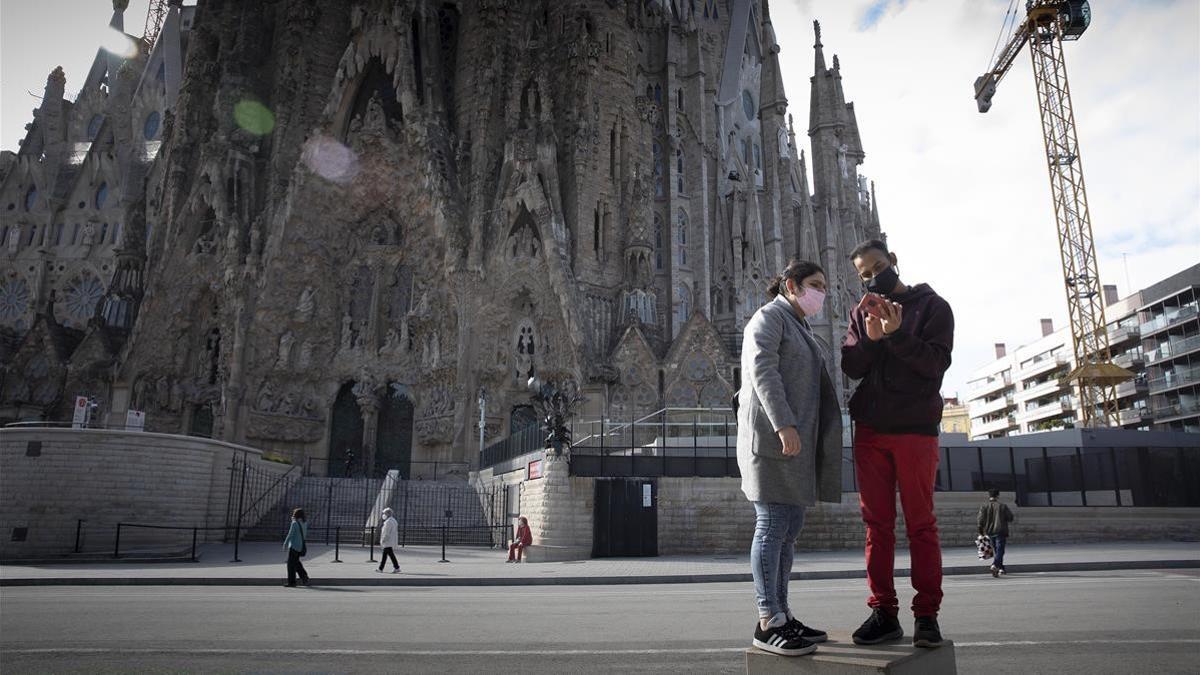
<point x="470" y="516"/>
<point x="669" y="442"/>
<point x="524" y="441"/>
<point x="255" y="495"/>
<point x="687" y="442"/>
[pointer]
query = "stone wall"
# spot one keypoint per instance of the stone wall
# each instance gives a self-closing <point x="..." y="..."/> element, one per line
<point x="711" y="515"/>
<point x="105" y="477"/>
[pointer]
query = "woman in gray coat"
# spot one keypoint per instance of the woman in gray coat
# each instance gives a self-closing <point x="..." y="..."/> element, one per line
<point x="789" y="444"/>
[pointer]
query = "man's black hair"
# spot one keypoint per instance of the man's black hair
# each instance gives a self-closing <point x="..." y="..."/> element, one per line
<point x="994" y="493"/>
<point x="861" y="250"/>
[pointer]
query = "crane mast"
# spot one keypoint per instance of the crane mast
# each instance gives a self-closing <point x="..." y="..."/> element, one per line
<point x="154" y="20"/>
<point x="1046" y="25"/>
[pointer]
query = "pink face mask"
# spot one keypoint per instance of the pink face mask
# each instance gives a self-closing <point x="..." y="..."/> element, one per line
<point x="811" y="301"/>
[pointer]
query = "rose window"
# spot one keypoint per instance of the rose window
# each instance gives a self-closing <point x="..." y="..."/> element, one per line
<point x="83" y="296"/>
<point x="14" y="300"/>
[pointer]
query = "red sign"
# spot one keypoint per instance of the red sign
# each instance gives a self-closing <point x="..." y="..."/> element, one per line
<point x="535" y="469"/>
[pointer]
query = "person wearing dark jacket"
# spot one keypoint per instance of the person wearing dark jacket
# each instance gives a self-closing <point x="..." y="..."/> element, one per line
<point x="899" y="347"/>
<point x="992" y="522"/>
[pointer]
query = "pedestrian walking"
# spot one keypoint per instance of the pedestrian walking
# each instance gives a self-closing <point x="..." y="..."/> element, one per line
<point x="898" y="344"/>
<point x="992" y="522"/>
<point x="789" y="445"/>
<point x="522" y="540"/>
<point x="296" y="548"/>
<point x="389" y="539"/>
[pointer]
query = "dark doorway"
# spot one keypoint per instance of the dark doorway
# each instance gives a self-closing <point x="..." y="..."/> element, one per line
<point x="345" y="433"/>
<point x="202" y="421"/>
<point x="625" y="518"/>
<point x="393" y="442"/>
<point x="521" y="418"/>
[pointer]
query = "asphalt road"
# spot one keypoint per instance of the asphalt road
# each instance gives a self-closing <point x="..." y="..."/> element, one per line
<point x="1118" y="622"/>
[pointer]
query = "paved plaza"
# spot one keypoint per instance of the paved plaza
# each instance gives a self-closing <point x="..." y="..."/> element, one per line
<point x="263" y="564"/>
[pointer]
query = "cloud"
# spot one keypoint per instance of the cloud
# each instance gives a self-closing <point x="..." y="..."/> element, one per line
<point x="965" y="197"/>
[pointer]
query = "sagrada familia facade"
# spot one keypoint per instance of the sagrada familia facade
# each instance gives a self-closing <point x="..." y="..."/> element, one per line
<point x="318" y="226"/>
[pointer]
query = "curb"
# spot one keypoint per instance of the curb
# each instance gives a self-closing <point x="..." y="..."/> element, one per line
<point x="962" y="570"/>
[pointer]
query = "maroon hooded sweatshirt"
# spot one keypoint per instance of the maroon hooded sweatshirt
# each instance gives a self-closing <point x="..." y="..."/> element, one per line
<point x="901" y="374"/>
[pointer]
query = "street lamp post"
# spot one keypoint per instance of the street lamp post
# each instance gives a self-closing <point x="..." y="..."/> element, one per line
<point x="482" y="414"/>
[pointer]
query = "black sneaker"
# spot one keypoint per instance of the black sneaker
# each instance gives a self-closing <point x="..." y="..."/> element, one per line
<point x="810" y="634"/>
<point x="782" y="640"/>
<point x="879" y="627"/>
<point x="927" y="633"/>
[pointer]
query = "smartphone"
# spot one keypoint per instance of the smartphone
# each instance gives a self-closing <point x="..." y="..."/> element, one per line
<point x="872" y="304"/>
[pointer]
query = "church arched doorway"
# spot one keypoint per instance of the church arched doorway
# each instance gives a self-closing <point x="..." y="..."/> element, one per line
<point x="345" y="434"/>
<point x="393" y="440"/>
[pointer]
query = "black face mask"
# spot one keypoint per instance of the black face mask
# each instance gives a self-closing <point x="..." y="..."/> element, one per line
<point x="884" y="282"/>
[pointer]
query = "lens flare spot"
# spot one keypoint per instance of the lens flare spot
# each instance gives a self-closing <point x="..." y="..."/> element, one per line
<point x="330" y="160"/>
<point x="117" y="43"/>
<point x="253" y="117"/>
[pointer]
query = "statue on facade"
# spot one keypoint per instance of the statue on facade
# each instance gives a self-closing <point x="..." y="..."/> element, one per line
<point x="89" y="234"/>
<point x="285" y="349"/>
<point x="306" y="305"/>
<point x="347" y="331"/>
<point x="14" y="240"/>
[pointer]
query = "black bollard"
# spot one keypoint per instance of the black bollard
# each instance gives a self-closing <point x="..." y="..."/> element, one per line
<point x="193" y="544"/>
<point x="337" y="544"/>
<point x="372" y="543"/>
<point x="443" y="545"/>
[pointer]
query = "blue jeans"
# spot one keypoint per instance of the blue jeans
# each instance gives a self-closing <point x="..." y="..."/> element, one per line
<point x="775" y="530"/>
<point x="998" y="549"/>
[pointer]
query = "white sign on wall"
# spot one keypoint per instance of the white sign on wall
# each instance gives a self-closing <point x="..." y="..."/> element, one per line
<point x="135" y="420"/>
<point x="80" y="418"/>
<point x="647" y="495"/>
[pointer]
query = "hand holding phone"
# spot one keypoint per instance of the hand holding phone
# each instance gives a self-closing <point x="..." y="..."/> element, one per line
<point x="873" y="304"/>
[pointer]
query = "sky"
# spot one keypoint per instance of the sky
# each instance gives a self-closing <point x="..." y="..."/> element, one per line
<point x="964" y="197"/>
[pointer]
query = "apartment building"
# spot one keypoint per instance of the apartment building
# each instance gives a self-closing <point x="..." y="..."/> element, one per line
<point x="1154" y="332"/>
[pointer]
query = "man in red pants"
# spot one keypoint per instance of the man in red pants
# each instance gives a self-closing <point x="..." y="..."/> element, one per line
<point x="898" y="344"/>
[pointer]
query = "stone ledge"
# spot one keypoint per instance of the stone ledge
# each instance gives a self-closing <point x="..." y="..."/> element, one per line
<point x="542" y="553"/>
<point x="841" y="656"/>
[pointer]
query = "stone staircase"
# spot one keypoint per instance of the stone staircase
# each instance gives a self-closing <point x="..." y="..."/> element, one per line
<point x="420" y="509"/>
<point x="328" y="503"/>
<point x="354" y="504"/>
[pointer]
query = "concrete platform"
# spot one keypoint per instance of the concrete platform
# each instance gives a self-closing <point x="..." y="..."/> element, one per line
<point x="840" y="656"/>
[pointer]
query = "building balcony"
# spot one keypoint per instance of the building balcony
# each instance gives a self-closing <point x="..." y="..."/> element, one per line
<point x="1180" y="377"/>
<point x="1047" y="411"/>
<point x="1174" y="411"/>
<point x="1134" y="416"/>
<point x="1123" y="334"/>
<point x="1130" y="360"/>
<point x="983" y="429"/>
<point x="1044" y="365"/>
<point x="982" y="408"/>
<point x="991" y="386"/>
<point x="1169" y="319"/>
<point x="1174" y="349"/>
<point x="1137" y="385"/>
<point x="1040" y="390"/>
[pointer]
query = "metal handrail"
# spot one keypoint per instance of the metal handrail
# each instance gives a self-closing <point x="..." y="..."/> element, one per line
<point x="618" y="427"/>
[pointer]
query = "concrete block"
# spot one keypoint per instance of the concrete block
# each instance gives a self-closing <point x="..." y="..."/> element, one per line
<point x="840" y="656"/>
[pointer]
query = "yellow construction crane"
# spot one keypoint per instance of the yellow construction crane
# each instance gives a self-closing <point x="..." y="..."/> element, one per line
<point x="1047" y="23"/>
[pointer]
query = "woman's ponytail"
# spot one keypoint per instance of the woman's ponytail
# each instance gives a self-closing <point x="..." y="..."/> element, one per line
<point x="797" y="271"/>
